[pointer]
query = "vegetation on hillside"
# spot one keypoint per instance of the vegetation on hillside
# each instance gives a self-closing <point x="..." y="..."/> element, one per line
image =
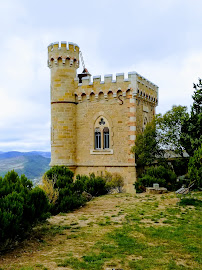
<point x="162" y="175"/>
<point x="21" y="206"/>
<point x="65" y="194"/>
<point x="119" y="231"/>
<point x="33" y="165"/>
<point x="178" y="133"/>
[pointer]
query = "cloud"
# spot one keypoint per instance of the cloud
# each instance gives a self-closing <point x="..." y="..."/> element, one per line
<point x="159" y="40"/>
<point x="12" y="12"/>
<point x="174" y="77"/>
<point x="24" y="95"/>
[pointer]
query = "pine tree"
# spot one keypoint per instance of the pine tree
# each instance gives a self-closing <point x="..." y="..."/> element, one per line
<point x="147" y="147"/>
<point x="191" y="136"/>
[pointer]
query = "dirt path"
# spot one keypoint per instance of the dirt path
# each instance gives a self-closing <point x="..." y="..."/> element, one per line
<point x="51" y="242"/>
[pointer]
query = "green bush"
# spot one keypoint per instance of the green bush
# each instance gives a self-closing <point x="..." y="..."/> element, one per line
<point x="21" y="206"/>
<point x="114" y="181"/>
<point x="190" y="201"/>
<point x="99" y="185"/>
<point x="69" y="197"/>
<point x="72" y="194"/>
<point x="95" y="185"/>
<point x="165" y="177"/>
<point x="180" y="166"/>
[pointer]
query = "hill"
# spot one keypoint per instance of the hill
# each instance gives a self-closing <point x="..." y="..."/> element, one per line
<point x="11" y="154"/>
<point x="32" y="164"/>
<point x="119" y="231"/>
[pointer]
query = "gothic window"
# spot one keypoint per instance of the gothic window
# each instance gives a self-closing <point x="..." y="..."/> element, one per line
<point x="102" y="134"/>
<point x="106" y="137"/>
<point x="145" y="121"/>
<point x="97" y="138"/>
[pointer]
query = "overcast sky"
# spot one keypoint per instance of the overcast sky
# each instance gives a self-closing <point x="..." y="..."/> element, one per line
<point x="159" y="39"/>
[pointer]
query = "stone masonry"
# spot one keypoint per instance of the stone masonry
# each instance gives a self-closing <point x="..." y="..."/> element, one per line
<point x="79" y="110"/>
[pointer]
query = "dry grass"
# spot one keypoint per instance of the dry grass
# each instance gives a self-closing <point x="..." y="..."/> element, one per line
<point x="114" y="231"/>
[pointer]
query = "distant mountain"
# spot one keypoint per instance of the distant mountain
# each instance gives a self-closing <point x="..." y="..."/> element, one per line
<point x="41" y="153"/>
<point x="33" y="164"/>
<point x="11" y="154"/>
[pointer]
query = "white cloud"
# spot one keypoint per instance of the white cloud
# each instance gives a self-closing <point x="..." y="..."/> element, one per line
<point x="11" y="12"/>
<point x="174" y="77"/>
<point x="24" y="95"/>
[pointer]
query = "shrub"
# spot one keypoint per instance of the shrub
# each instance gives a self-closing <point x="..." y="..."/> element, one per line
<point x="99" y="185"/>
<point x="48" y="187"/>
<point x="21" y="206"/>
<point x="165" y="177"/>
<point x="114" y="182"/>
<point x="190" y="201"/>
<point x="37" y="206"/>
<point x="95" y="185"/>
<point x="68" y="197"/>
<point x="65" y="194"/>
<point x="180" y="166"/>
<point x="62" y="175"/>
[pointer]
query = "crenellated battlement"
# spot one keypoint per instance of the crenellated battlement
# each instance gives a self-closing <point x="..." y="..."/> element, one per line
<point x="134" y="85"/>
<point x="120" y="77"/>
<point x="64" y="54"/>
<point x="95" y="120"/>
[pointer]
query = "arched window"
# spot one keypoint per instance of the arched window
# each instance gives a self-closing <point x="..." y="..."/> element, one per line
<point x="102" y="134"/>
<point x="106" y="137"/>
<point x="97" y="138"/>
<point x="145" y="121"/>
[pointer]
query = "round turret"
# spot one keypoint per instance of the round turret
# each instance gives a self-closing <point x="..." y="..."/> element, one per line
<point x="63" y="62"/>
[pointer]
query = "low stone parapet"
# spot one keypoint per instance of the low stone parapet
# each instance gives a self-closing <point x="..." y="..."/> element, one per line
<point x="159" y="190"/>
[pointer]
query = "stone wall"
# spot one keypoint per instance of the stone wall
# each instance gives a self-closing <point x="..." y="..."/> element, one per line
<point x="124" y="105"/>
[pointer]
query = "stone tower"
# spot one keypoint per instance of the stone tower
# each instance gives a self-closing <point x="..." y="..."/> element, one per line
<point x="94" y="123"/>
<point x="63" y="62"/>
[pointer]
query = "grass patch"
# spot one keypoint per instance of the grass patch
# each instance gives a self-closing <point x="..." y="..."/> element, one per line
<point x="74" y="223"/>
<point x="72" y="236"/>
<point x="190" y="201"/>
<point x="52" y="230"/>
<point x="144" y="232"/>
<point x="90" y="261"/>
<point x="83" y="218"/>
<point x="41" y="266"/>
<point x="27" y="268"/>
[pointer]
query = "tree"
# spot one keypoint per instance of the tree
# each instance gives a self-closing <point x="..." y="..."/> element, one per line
<point x="21" y="206"/>
<point x="191" y="136"/>
<point x="163" y="133"/>
<point x="169" y="128"/>
<point x="195" y="167"/>
<point x="147" y="146"/>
